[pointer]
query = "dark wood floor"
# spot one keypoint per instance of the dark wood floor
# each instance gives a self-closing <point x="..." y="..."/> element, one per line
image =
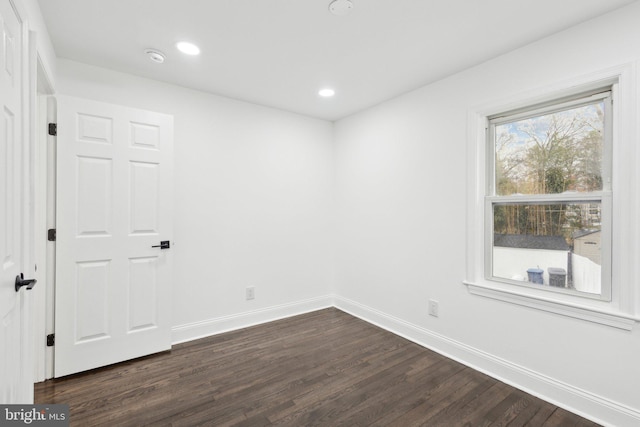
<point x="322" y="368"/>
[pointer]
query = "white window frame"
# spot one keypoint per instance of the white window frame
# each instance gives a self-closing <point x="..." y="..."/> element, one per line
<point x="603" y="197"/>
<point x="620" y="304"/>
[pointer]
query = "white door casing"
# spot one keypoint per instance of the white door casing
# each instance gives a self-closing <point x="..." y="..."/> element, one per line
<point x="114" y="202"/>
<point x="15" y="383"/>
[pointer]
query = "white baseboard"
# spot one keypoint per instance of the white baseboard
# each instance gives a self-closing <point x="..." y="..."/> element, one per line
<point x="205" y="328"/>
<point x="586" y="404"/>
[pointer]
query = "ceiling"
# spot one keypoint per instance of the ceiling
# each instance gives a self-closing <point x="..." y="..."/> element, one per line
<point x="279" y="53"/>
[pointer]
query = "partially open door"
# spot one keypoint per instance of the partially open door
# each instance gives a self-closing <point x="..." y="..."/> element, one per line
<point x="16" y="385"/>
<point x="114" y="204"/>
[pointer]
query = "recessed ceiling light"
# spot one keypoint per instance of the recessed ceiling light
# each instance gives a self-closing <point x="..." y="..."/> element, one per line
<point x="155" y="55"/>
<point x="340" y="7"/>
<point x="326" y="93"/>
<point x="188" y="48"/>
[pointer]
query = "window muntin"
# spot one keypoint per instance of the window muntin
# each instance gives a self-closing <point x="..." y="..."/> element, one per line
<point x="548" y="188"/>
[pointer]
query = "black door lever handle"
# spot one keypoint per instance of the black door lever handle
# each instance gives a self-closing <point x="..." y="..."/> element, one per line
<point x="20" y="282"/>
<point x="163" y="245"/>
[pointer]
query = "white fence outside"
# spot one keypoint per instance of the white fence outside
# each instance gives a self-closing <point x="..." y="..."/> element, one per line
<point x="513" y="263"/>
<point x="587" y="275"/>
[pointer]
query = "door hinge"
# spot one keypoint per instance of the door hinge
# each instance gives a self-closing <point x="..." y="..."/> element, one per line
<point x="51" y="340"/>
<point x="51" y="234"/>
<point x="53" y="129"/>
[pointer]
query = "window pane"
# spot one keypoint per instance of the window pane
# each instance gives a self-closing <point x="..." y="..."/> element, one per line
<point x="549" y="244"/>
<point x="551" y="153"/>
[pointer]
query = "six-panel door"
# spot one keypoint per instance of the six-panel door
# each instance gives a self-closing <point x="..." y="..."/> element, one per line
<point x="113" y="288"/>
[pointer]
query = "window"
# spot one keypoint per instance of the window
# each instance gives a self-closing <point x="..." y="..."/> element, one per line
<point x="548" y="196"/>
<point x="552" y="197"/>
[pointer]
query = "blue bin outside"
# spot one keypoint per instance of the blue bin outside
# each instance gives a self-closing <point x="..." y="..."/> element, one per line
<point x="535" y="275"/>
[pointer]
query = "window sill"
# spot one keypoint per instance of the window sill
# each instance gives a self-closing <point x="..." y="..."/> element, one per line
<point x="596" y="315"/>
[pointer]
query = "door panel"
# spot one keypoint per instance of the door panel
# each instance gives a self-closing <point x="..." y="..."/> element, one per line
<point x="94" y="196"/>
<point x="144" y="198"/>
<point x="143" y="286"/>
<point x="15" y="386"/>
<point x="113" y="290"/>
<point x="91" y="291"/>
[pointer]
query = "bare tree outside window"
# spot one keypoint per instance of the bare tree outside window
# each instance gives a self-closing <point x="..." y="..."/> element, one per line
<point x="546" y="193"/>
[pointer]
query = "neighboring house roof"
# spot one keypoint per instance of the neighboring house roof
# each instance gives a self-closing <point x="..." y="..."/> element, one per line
<point x="526" y="241"/>
<point x="581" y="233"/>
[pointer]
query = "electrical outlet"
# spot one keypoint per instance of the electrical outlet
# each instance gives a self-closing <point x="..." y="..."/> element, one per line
<point x="433" y="308"/>
<point x="251" y="293"/>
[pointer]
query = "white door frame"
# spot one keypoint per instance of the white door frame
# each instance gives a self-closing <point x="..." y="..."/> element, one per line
<point x="36" y="80"/>
<point x="44" y="218"/>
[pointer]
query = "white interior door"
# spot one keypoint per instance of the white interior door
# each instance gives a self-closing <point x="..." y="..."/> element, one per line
<point x="15" y="383"/>
<point x="114" y="203"/>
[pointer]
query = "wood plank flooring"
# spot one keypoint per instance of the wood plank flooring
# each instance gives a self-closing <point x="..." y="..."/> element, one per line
<point x="324" y="368"/>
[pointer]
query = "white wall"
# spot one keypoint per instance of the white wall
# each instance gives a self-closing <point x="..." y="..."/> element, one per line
<point x="252" y="198"/>
<point x="401" y="193"/>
